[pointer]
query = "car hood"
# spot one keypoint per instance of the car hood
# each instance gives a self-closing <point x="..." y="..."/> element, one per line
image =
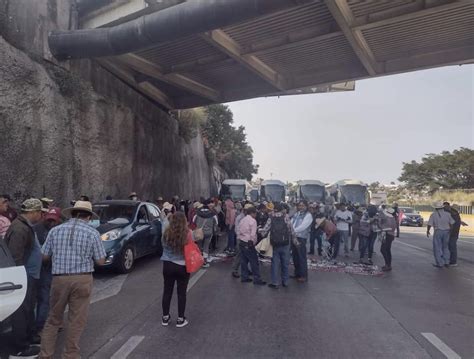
<point x="106" y="227"/>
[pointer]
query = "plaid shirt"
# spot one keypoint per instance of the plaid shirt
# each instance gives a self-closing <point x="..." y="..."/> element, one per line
<point x="76" y="253"/>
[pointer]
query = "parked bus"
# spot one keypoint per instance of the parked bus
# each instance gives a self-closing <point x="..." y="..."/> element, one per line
<point x="254" y="195"/>
<point x="273" y="190"/>
<point x="350" y="191"/>
<point x="236" y="189"/>
<point x="311" y="190"/>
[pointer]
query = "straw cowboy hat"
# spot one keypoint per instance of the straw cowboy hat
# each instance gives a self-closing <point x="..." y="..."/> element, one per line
<point x="84" y="206"/>
<point x="168" y="206"/>
<point x="438" y="205"/>
<point x="319" y="221"/>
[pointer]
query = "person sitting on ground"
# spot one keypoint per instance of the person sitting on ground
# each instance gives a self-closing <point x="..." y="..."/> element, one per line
<point x="281" y="235"/>
<point x="206" y="219"/>
<point x="247" y="234"/>
<point x="174" y="267"/>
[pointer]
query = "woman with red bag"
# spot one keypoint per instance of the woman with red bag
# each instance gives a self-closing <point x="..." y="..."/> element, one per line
<point x="175" y="238"/>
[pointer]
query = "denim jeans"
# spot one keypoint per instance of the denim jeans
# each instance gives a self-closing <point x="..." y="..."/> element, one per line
<point x="280" y="263"/>
<point x="42" y="305"/>
<point x="367" y="243"/>
<point x="344" y="238"/>
<point x="248" y="254"/>
<point x="334" y="241"/>
<point x="441" y="246"/>
<point x="299" y="258"/>
<point x="231" y="237"/>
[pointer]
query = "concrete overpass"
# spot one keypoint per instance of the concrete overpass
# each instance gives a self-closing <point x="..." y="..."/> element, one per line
<point x="270" y="47"/>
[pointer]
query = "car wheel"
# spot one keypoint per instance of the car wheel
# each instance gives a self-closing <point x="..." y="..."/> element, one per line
<point x="127" y="260"/>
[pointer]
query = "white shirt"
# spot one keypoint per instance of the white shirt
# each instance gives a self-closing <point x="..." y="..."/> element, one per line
<point x="343" y="218"/>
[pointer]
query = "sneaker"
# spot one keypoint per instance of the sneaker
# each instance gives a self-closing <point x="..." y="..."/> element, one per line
<point x="165" y="320"/>
<point x="248" y="280"/>
<point x="206" y="264"/>
<point x="235" y="275"/>
<point x="274" y="286"/>
<point x="453" y="264"/>
<point x="181" y="322"/>
<point x="260" y="282"/>
<point x="30" y="352"/>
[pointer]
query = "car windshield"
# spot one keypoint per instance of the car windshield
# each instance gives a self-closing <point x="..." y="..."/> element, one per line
<point x="353" y="194"/>
<point x="274" y="193"/>
<point x="109" y="212"/>
<point x="313" y="192"/>
<point x="236" y="192"/>
<point x="407" y="210"/>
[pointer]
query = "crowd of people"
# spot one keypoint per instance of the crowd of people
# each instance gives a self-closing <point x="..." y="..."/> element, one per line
<point x="59" y="249"/>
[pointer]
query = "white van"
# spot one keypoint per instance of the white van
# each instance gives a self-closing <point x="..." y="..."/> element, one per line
<point x="13" y="283"/>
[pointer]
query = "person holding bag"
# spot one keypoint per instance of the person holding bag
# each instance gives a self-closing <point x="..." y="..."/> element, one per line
<point x="176" y="237"/>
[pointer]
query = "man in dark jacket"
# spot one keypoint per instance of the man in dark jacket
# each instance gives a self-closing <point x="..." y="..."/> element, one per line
<point x="50" y="220"/>
<point x="26" y="251"/>
<point x="454" y="234"/>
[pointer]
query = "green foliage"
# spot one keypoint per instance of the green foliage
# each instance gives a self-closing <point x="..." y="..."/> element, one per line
<point x="189" y="122"/>
<point x="446" y="170"/>
<point x="226" y="144"/>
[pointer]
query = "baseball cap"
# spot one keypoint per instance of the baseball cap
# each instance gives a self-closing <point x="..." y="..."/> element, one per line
<point x="32" y="205"/>
<point x="53" y="213"/>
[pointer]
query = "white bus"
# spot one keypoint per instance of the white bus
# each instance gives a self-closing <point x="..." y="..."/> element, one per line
<point x="235" y="189"/>
<point x="273" y="190"/>
<point x="311" y="191"/>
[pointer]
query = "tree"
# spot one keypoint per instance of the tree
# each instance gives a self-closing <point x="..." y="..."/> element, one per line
<point x="226" y="144"/>
<point x="435" y="171"/>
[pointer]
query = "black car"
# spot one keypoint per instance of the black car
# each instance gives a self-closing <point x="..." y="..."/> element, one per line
<point x="129" y="230"/>
<point x="410" y="217"/>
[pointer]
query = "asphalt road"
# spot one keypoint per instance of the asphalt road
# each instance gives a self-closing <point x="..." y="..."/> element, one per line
<point x="334" y="315"/>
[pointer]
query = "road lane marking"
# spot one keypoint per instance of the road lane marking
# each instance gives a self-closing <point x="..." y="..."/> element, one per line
<point x="195" y="278"/>
<point x="107" y="287"/>
<point x="441" y="346"/>
<point x="411" y="245"/>
<point x="128" y="347"/>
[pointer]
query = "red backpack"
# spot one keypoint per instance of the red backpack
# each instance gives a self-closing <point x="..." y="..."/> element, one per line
<point x="192" y="255"/>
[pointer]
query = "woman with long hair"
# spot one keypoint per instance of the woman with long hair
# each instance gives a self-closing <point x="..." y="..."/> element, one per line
<point x="176" y="235"/>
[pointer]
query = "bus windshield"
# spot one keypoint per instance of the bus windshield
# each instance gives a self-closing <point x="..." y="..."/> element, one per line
<point x="313" y="192"/>
<point x="274" y="193"/>
<point x="235" y="192"/>
<point x="354" y="194"/>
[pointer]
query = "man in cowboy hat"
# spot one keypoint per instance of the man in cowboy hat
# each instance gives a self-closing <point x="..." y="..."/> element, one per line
<point x="26" y="251"/>
<point x="442" y="223"/>
<point x="133" y="196"/>
<point x="73" y="247"/>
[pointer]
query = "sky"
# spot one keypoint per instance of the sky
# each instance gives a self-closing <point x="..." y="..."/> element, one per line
<point x="364" y="134"/>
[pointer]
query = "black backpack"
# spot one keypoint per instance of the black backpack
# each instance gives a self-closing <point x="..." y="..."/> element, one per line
<point x="279" y="232"/>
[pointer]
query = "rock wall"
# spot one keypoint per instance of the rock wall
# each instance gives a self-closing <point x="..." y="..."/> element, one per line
<point x="72" y="128"/>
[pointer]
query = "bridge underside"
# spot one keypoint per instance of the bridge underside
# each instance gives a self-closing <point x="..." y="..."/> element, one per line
<point x="319" y="46"/>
